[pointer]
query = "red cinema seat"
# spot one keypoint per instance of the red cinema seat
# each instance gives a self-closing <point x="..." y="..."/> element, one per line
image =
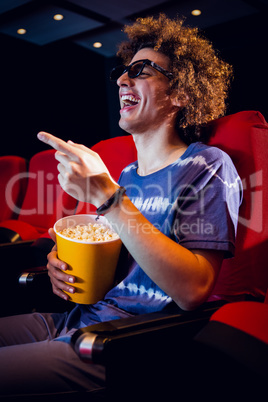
<point x="44" y="202"/>
<point x="244" y="136"/>
<point x="234" y="348"/>
<point x="12" y="185"/>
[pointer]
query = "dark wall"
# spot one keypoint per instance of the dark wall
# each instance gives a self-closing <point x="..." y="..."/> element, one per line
<point x="243" y="44"/>
<point x="57" y="88"/>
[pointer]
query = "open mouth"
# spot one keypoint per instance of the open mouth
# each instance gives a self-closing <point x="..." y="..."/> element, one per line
<point x="129" y="100"/>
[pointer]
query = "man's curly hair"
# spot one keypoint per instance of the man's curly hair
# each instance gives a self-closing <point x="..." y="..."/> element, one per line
<point x="198" y="73"/>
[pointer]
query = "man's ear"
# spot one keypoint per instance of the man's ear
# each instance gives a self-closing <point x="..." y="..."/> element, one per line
<point x="179" y="100"/>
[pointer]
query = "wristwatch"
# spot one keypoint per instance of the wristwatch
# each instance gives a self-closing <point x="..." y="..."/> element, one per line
<point x="111" y="202"/>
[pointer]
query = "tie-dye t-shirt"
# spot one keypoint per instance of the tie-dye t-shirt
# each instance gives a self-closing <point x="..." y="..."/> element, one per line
<point x="195" y="202"/>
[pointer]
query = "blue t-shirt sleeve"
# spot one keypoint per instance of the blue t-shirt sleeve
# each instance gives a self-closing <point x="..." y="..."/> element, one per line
<point x="206" y="211"/>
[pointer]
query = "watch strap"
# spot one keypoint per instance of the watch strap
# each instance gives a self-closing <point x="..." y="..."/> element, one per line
<point x="111" y="202"/>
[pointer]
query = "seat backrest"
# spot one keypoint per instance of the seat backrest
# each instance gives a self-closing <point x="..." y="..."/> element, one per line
<point x="116" y="153"/>
<point x="247" y="316"/>
<point x="244" y="137"/>
<point x="12" y="185"/>
<point x="45" y="201"/>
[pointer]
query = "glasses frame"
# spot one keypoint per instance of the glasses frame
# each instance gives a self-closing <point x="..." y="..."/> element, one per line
<point x="145" y="62"/>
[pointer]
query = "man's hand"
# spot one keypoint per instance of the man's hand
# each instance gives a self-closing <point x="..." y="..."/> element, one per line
<point x="82" y="173"/>
<point x="59" y="280"/>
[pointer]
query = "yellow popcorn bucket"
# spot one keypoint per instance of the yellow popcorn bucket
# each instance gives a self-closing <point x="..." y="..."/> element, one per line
<point x="92" y="263"/>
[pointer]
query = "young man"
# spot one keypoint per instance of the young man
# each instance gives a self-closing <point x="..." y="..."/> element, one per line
<point x="177" y="217"/>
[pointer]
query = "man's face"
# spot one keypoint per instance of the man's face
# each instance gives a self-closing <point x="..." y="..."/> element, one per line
<point x="144" y="100"/>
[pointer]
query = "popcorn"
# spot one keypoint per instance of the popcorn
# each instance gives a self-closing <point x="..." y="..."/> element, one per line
<point x="93" y="232"/>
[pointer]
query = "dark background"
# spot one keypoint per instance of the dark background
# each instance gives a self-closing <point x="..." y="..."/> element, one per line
<point x="63" y="88"/>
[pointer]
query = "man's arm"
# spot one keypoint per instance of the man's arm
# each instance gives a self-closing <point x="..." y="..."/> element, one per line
<point x="187" y="276"/>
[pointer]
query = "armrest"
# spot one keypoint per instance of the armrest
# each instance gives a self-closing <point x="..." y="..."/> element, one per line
<point x="32" y="276"/>
<point x="35" y="292"/>
<point x="8" y="236"/>
<point x="16" y="245"/>
<point x="146" y="354"/>
<point x="94" y="343"/>
<point x="16" y="258"/>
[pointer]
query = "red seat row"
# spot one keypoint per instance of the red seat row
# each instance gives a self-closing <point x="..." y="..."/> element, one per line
<point x="32" y="200"/>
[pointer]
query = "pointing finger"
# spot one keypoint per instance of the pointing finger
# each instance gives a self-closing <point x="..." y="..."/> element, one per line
<point x="57" y="143"/>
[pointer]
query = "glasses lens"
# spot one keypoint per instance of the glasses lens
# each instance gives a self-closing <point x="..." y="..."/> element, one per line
<point x="117" y="72"/>
<point x="135" y="70"/>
